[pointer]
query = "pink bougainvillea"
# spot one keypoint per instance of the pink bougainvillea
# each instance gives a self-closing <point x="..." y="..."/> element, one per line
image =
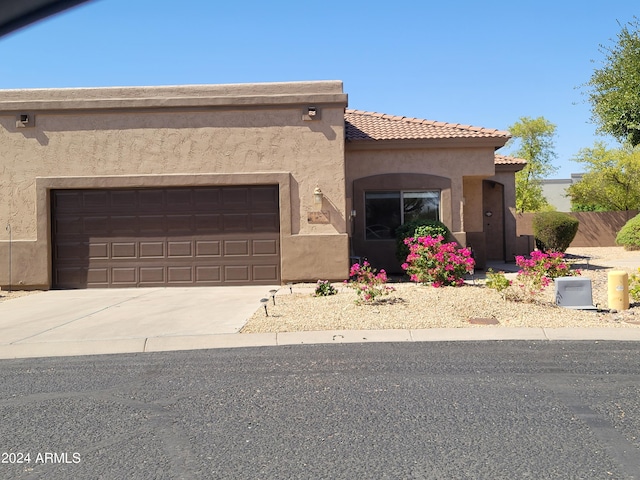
<point x="368" y="284"/>
<point x="433" y="262"/>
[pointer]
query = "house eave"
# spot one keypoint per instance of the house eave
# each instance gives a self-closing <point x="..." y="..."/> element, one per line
<point x="416" y="144"/>
<point x="509" y="167"/>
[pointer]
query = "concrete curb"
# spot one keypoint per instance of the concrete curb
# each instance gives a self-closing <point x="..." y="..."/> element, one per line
<point x="235" y="340"/>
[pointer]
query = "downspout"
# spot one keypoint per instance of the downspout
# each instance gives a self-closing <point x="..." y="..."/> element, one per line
<point x="8" y="228"/>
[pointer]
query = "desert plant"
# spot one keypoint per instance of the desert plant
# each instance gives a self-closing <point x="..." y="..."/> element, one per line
<point x="437" y="263"/>
<point x="324" y="289"/>
<point x="629" y="234"/>
<point x="368" y="284"/>
<point x="554" y="231"/>
<point x="416" y="229"/>
<point x="634" y="286"/>
<point x="497" y="281"/>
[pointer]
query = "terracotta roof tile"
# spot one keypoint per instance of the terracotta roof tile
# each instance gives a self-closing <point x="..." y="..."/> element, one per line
<point x="368" y="126"/>
<point x="506" y="160"/>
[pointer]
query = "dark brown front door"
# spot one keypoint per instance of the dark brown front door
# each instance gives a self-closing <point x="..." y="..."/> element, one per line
<point x="166" y="237"/>
<point x="493" y="214"/>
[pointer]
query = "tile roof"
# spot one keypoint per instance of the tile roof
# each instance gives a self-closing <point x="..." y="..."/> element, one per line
<point x="368" y="126"/>
<point x="506" y="160"/>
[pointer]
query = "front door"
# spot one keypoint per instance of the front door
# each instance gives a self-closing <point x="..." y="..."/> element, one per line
<point x="493" y="212"/>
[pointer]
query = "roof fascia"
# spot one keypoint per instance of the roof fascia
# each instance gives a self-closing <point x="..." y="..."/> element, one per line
<point x="509" y="167"/>
<point x="495" y="142"/>
<point x="161" y="102"/>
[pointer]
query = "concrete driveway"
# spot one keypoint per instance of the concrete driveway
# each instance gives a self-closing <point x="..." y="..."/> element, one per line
<point x="76" y="322"/>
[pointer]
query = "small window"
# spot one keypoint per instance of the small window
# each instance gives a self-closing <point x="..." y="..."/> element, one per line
<point x="386" y="211"/>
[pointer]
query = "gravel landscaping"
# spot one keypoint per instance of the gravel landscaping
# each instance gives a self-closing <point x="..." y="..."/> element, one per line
<point x="414" y="306"/>
<point x="8" y="295"/>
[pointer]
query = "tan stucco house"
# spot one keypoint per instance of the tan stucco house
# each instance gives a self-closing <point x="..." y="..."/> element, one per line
<point x="232" y="184"/>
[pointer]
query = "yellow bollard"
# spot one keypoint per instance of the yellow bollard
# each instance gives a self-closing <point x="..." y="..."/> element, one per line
<point x="618" y="283"/>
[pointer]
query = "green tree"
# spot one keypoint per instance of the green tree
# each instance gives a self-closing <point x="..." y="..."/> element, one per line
<point x="611" y="181"/>
<point x="614" y="89"/>
<point x="534" y="137"/>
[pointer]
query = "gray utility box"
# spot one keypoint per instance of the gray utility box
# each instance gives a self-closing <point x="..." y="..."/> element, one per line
<point x="574" y="292"/>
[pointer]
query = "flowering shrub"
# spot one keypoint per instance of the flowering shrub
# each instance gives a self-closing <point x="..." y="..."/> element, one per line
<point x="324" y="289"/>
<point x="537" y="272"/>
<point x="437" y="263"/>
<point x="367" y="284"/>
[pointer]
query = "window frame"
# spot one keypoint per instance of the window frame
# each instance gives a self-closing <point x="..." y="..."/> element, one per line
<point x="402" y="213"/>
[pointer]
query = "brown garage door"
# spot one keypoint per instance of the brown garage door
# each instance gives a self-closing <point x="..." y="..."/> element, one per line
<point x="165" y="237"/>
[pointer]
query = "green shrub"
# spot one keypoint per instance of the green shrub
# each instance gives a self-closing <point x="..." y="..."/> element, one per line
<point x="554" y="231"/>
<point x="634" y="286"/>
<point x="497" y="281"/>
<point x="418" y="228"/>
<point x="324" y="289"/>
<point x="629" y="235"/>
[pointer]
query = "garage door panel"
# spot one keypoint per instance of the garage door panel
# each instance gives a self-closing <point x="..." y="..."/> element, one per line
<point x="123" y="225"/>
<point x="124" y="276"/>
<point x="180" y="249"/>
<point x="264" y="222"/>
<point x="180" y="274"/>
<point x="98" y="276"/>
<point x="208" y="248"/>
<point x="126" y="250"/>
<point x="208" y="223"/>
<point x="236" y="273"/>
<point x="264" y="247"/>
<point x="95" y="225"/>
<point x="71" y="251"/>
<point x="69" y="276"/>
<point x="95" y="199"/>
<point x="152" y="275"/>
<point x="177" y="224"/>
<point x="67" y="201"/>
<point x="99" y="250"/>
<point x="208" y="274"/>
<point x="152" y="249"/>
<point x="179" y="199"/>
<point x="71" y="225"/>
<point x="264" y="199"/>
<point x="151" y="199"/>
<point x="165" y="236"/>
<point x="122" y="199"/>
<point x="235" y="222"/>
<point x="208" y="199"/>
<point x="265" y="273"/>
<point x="149" y="224"/>
<point x="235" y="197"/>
<point x="234" y="248"/>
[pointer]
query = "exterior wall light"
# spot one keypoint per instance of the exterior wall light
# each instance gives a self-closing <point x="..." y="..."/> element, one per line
<point x="317" y="196"/>
<point x="310" y="113"/>
<point x="25" y="120"/>
<point x="488" y="213"/>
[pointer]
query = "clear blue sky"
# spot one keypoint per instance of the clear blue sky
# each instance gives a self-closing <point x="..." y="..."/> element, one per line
<point x="478" y="63"/>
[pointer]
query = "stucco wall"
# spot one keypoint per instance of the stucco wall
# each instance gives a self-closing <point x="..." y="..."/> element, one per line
<point x="175" y="136"/>
<point x="452" y="163"/>
<point x="596" y="229"/>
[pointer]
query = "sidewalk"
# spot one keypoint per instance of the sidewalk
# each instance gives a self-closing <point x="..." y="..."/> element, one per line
<point x="113" y="321"/>
<point x="234" y="340"/>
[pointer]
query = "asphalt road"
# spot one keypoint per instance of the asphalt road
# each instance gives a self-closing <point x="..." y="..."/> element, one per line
<point x="483" y="410"/>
